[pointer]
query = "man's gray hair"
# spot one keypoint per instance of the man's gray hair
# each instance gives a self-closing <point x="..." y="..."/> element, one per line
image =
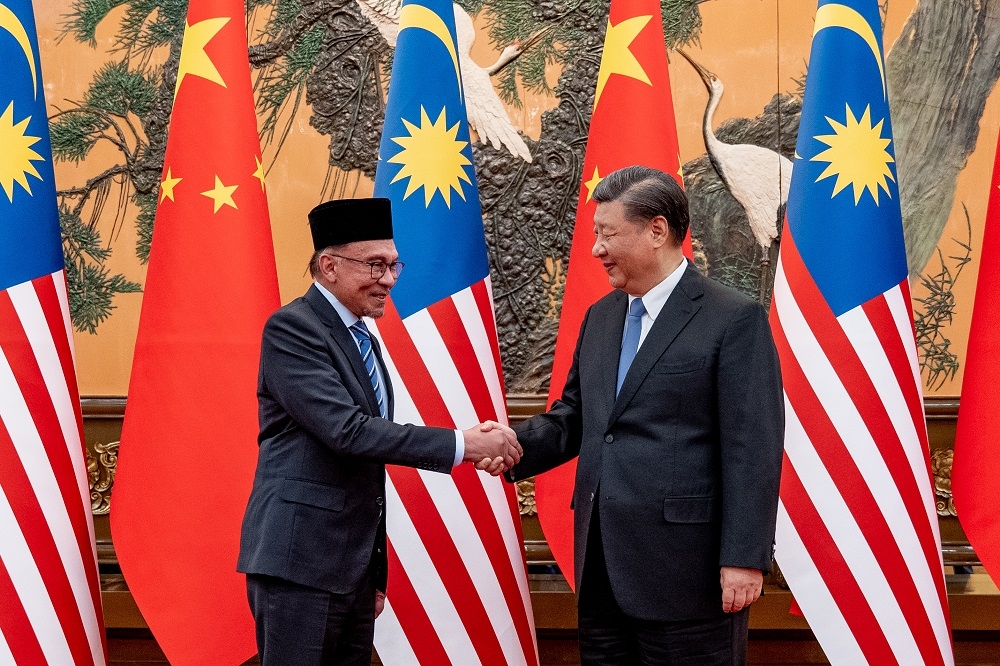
<point x="314" y="260"/>
<point x="645" y="193"/>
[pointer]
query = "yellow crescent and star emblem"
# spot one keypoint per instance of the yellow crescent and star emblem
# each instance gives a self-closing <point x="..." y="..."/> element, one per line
<point x="16" y="152"/>
<point x="857" y="154"/>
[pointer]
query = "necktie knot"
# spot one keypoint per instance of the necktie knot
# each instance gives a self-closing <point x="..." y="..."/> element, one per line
<point x="636" y="309"/>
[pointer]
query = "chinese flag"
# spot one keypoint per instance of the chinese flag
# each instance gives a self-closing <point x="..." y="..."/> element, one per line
<point x="975" y="474"/>
<point x="188" y="447"/>
<point x="632" y="123"/>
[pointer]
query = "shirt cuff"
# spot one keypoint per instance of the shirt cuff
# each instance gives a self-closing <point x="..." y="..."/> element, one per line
<point x="459" y="448"/>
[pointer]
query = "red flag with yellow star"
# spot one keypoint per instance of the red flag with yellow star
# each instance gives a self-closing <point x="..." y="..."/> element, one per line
<point x="632" y="123"/>
<point x="188" y="446"/>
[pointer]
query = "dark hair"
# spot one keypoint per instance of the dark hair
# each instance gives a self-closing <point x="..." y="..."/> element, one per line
<point x="645" y="193"/>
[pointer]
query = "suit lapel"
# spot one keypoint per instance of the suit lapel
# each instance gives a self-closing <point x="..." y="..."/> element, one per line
<point x="345" y="340"/>
<point x="675" y="315"/>
<point x="614" y="329"/>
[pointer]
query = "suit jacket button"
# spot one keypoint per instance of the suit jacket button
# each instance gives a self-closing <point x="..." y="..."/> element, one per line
<point x="609" y="438"/>
<point x="379" y="500"/>
<point x="592" y="494"/>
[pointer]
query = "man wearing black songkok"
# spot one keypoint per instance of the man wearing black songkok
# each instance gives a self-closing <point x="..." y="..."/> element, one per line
<point x="313" y="543"/>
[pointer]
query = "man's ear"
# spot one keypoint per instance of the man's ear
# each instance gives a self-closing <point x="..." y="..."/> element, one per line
<point x="327" y="267"/>
<point x="660" y="231"/>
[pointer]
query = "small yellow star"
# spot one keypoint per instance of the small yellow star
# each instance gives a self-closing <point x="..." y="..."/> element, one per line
<point x="617" y="57"/>
<point x="594" y="181"/>
<point x="194" y="60"/>
<point x="221" y="194"/>
<point x="167" y="186"/>
<point x="259" y="173"/>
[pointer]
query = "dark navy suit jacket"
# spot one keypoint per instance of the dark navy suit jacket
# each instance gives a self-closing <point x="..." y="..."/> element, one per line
<point x="316" y="515"/>
<point x="687" y="459"/>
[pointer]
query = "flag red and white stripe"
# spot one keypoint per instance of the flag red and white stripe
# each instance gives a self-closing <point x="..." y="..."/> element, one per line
<point x="51" y="611"/>
<point x="857" y="534"/>
<point x="458" y="589"/>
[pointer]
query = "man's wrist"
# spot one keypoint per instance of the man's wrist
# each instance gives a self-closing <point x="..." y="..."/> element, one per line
<point x="459" y="448"/>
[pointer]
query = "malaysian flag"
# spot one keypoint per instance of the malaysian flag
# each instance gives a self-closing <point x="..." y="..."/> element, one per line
<point x="458" y="589"/>
<point x="857" y="535"/>
<point x="50" y="597"/>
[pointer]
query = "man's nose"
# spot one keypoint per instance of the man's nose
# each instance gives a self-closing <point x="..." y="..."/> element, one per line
<point x="387" y="279"/>
<point x="599" y="250"/>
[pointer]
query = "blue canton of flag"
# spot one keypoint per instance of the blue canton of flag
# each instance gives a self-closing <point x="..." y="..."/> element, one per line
<point x="29" y="220"/>
<point x="843" y="203"/>
<point x="425" y="162"/>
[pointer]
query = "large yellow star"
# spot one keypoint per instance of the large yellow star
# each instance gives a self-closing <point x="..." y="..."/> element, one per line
<point x="167" y="186"/>
<point x="259" y="173"/>
<point x="594" y="181"/>
<point x="432" y="158"/>
<point x="221" y="195"/>
<point x="857" y="156"/>
<point x="194" y="60"/>
<point x="16" y="153"/>
<point x="617" y="58"/>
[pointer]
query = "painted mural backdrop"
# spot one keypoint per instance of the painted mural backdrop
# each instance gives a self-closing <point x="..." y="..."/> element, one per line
<point x="321" y="69"/>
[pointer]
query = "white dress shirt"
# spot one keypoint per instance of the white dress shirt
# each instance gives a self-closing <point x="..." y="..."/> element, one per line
<point x="654" y="299"/>
<point x="349" y="319"/>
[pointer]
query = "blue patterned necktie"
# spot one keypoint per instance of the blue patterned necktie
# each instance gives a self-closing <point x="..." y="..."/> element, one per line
<point x="364" y="338"/>
<point x="630" y="342"/>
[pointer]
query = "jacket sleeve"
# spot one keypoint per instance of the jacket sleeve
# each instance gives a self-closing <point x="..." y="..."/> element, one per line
<point x="299" y="373"/>
<point x="554" y="437"/>
<point x="751" y="430"/>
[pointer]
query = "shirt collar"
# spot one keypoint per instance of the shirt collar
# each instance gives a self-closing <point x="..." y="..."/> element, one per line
<point x="348" y="317"/>
<point x="654" y="299"/>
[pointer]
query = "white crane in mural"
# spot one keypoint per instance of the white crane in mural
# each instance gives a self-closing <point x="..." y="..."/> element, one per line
<point x="486" y="112"/>
<point x="757" y="177"/>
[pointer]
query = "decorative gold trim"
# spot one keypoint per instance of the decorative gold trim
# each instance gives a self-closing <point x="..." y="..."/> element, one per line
<point x="101" y="472"/>
<point x="526" y="497"/>
<point x="941" y="460"/>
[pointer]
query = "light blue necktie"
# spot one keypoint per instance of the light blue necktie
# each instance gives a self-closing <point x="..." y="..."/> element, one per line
<point x="364" y="338"/>
<point x="630" y="342"/>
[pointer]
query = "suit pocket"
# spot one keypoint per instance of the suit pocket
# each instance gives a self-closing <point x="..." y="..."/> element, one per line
<point x="689" y="509"/>
<point x="314" y="494"/>
<point x="677" y="368"/>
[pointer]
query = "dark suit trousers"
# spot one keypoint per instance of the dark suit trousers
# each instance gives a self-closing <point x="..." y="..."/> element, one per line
<point x="609" y="637"/>
<point x="304" y="626"/>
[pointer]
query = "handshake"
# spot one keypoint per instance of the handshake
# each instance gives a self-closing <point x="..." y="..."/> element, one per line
<point x="492" y="447"/>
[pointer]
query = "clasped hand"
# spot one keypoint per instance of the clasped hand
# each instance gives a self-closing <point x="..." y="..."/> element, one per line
<point x="492" y="447"/>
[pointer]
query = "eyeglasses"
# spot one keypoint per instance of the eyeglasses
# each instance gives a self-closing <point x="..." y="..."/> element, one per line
<point x="378" y="267"/>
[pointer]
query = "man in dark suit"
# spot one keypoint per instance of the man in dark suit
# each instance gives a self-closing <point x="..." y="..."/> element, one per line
<point x="674" y="406"/>
<point x="313" y="543"/>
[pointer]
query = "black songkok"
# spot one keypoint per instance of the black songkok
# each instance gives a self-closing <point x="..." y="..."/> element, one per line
<point x="350" y="220"/>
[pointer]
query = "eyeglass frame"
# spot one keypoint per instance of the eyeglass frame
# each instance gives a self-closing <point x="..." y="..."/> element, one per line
<point x="395" y="268"/>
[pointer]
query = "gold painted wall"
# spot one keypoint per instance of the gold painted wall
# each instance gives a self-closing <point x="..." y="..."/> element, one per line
<point x="756" y="47"/>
